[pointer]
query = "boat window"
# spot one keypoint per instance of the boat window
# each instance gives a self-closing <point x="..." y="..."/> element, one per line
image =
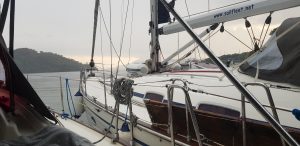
<point x="136" y="94"/>
<point x="154" y="96"/>
<point x="219" y="109"/>
<point x="174" y="103"/>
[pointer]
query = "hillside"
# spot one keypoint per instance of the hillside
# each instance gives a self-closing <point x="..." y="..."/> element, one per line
<point x="235" y="58"/>
<point x="31" y="61"/>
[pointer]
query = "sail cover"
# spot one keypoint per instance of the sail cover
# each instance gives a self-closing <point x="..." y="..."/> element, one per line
<point x="279" y="60"/>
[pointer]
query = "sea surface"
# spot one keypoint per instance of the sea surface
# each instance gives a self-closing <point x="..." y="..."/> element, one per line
<point x="53" y="88"/>
<point x="57" y="88"/>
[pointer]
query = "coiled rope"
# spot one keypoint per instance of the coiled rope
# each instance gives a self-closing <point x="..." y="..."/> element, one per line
<point x="122" y="90"/>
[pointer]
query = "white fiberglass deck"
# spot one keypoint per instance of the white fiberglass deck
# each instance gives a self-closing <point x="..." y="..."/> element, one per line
<point x="86" y="132"/>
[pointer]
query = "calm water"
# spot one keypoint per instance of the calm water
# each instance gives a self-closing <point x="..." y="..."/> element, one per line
<point x="48" y="87"/>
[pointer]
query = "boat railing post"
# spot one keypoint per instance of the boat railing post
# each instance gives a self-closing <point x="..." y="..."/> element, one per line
<point x="84" y="81"/>
<point x="170" y="114"/>
<point x="61" y="95"/>
<point x="190" y="109"/>
<point x="244" y="120"/>
<point x="188" y="133"/>
<point x="131" y="122"/>
<point x="270" y="98"/>
<point x="193" y="117"/>
<point x="81" y="80"/>
<point x="271" y="101"/>
<point x="116" y="136"/>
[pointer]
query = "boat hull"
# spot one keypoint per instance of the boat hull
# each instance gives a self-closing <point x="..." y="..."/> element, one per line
<point x="224" y="129"/>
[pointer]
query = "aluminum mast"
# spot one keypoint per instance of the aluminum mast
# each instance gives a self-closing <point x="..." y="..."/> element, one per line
<point x="153" y="24"/>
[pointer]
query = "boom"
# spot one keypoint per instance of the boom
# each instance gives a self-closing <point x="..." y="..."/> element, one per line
<point x="242" y="10"/>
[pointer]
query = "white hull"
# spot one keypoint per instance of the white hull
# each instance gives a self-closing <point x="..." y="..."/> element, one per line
<point x="213" y="83"/>
<point x="99" y="118"/>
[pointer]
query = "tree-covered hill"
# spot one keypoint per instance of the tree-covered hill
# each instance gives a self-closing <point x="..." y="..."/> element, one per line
<point x="31" y="61"/>
<point x="235" y="58"/>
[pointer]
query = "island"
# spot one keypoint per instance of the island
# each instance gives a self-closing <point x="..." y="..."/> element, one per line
<point x="31" y="61"/>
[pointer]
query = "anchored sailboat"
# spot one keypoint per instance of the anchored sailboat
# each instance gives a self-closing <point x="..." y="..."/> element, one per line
<point x="203" y="107"/>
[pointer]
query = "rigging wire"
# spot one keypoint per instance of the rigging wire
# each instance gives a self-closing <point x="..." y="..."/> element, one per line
<point x="238" y="39"/>
<point x="107" y="32"/>
<point x="130" y="36"/>
<point x="248" y="24"/>
<point x="122" y="39"/>
<point x="211" y="35"/>
<point x="152" y="82"/>
<point x="194" y="49"/>
<point x="162" y="55"/>
<point x="188" y="12"/>
<point x="110" y="42"/>
<point x="103" y="68"/>
<point x="208" y="9"/>
<point x="178" y="44"/>
<point x="187" y="9"/>
<point x="268" y="22"/>
<point x="122" y="17"/>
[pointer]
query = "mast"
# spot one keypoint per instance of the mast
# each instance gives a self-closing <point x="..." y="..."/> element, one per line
<point x="154" y="43"/>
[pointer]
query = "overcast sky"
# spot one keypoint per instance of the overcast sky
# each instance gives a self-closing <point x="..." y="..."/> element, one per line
<point x="65" y="27"/>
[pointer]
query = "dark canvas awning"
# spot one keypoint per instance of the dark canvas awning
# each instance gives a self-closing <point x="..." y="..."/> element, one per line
<point x="279" y="60"/>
